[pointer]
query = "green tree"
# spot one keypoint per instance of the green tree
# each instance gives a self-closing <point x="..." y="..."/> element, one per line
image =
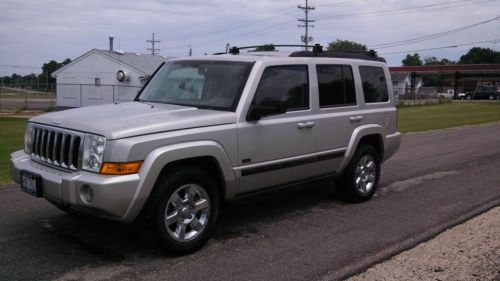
<point x="263" y="48"/>
<point x="435" y="61"/>
<point x="480" y="55"/>
<point x="412" y="60"/>
<point x="49" y="68"/>
<point x="346" y="46"/>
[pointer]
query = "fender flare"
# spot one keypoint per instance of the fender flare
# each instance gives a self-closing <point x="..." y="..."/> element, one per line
<point x="157" y="159"/>
<point x="357" y="135"/>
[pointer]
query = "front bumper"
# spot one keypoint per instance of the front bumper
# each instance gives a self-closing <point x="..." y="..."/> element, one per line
<point x="113" y="195"/>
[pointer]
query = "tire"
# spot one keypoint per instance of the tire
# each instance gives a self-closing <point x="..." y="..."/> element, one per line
<point x="365" y="169"/>
<point x="491" y="97"/>
<point x="182" y="210"/>
<point x="468" y="97"/>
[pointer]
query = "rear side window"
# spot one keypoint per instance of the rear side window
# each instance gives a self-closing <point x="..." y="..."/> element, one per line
<point x="374" y="84"/>
<point x="336" y="85"/>
<point x="288" y="83"/>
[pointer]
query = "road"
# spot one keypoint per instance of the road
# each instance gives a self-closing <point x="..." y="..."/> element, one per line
<point x="437" y="180"/>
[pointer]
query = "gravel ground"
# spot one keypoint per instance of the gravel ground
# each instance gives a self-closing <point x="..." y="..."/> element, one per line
<point x="470" y="251"/>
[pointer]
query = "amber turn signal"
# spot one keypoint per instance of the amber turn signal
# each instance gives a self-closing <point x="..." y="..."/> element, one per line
<point x="121" y="168"/>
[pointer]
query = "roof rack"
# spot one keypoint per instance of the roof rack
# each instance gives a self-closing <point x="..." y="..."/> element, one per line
<point x="317" y="51"/>
<point x="362" y="55"/>
<point x="236" y="50"/>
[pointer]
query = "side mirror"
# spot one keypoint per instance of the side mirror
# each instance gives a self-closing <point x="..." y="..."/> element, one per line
<point x="268" y="107"/>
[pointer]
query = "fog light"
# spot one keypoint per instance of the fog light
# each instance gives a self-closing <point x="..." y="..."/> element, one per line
<point x="86" y="194"/>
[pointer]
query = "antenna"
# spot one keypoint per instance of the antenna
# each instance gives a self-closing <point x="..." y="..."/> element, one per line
<point x="154" y="51"/>
<point x="306" y="38"/>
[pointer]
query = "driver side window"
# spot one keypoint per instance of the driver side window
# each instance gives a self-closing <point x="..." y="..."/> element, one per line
<point x="285" y="83"/>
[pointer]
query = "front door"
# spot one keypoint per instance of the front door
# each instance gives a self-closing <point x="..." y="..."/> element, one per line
<point x="274" y="150"/>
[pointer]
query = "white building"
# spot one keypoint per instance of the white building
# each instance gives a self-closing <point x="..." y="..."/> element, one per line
<point x="103" y="76"/>
<point x="401" y="84"/>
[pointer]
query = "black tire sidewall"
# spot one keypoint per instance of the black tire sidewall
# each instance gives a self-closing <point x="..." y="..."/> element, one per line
<point x="352" y="192"/>
<point x="167" y="185"/>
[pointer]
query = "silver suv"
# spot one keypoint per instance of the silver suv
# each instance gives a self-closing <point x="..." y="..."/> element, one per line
<point x="211" y="129"/>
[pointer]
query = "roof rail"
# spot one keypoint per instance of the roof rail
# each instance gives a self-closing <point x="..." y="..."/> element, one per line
<point x="236" y="50"/>
<point x="363" y="55"/>
<point x="317" y="51"/>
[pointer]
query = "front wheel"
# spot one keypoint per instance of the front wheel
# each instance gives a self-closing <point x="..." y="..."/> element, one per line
<point x="182" y="210"/>
<point x="361" y="177"/>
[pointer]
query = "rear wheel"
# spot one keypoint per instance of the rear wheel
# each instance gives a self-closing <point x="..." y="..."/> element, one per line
<point x="361" y="177"/>
<point x="182" y="210"/>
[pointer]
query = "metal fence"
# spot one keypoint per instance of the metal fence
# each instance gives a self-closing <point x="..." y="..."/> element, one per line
<point x="27" y="96"/>
<point x="47" y="96"/>
<point x="81" y="95"/>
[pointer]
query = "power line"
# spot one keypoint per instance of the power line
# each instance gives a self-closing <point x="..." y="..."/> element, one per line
<point x="284" y="25"/>
<point x="437" y="48"/>
<point x="306" y="38"/>
<point x="431" y="36"/>
<point x="19" y="66"/>
<point x="154" y="51"/>
<point x="403" y="10"/>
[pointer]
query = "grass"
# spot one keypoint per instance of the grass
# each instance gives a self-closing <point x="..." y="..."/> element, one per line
<point x="411" y="119"/>
<point x="447" y="115"/>
<point x="11" y="139"/>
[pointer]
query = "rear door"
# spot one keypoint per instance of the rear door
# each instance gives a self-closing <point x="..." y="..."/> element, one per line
<point x="339" y="112"/>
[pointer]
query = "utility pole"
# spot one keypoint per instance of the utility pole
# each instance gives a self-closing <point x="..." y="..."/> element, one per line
<point x="190" y="51"/>
<point x="154" y="51"/>
<point x="306" y="38"/>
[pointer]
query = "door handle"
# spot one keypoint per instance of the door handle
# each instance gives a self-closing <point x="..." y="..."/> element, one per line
<point x="356" y="118"/>
<point x="303" y="125"/>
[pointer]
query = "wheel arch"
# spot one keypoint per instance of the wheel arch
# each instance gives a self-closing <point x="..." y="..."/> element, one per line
<point x="207" y="155"/>
<point x="366" y="134"/>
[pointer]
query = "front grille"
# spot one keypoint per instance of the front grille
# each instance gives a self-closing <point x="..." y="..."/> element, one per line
<point x="57" y="147"/>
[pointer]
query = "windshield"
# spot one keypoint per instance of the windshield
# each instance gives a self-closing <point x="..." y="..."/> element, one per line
<point x="202" y="84"/>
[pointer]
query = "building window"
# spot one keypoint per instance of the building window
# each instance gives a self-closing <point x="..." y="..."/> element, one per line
<point x="374" y="84"/>
<point x="336" y="85"/>
<point x="97" y="81"/>
<point x="288" y="83"/>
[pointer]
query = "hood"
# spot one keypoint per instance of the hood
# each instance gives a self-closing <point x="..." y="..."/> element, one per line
<point x="115" y="121"/>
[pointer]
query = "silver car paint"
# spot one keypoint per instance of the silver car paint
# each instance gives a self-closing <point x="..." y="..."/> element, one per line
<point x="160" y="134"/>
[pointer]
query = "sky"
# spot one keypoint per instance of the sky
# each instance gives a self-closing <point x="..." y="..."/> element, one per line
<point x="35" y="32"/>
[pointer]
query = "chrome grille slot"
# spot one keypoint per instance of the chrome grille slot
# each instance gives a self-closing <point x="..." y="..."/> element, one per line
<point x="57" y="147"/>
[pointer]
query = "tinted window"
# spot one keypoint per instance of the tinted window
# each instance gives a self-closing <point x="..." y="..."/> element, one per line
<point x="287" y="83"/>
<point x="336" y="85"/>
<point x="374" y="84"/>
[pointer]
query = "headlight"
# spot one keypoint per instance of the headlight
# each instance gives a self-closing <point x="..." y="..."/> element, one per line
<point x="28" y="138"/>
<point x="93" y="151"/>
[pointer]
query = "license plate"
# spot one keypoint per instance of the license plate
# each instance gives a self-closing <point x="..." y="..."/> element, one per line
<point x="31" y="183"/>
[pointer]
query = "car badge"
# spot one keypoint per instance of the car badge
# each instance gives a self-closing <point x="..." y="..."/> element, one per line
<point x="57" y="122"/>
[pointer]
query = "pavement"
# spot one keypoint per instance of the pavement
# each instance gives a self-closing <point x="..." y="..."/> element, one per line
<point x="438" y="180"/>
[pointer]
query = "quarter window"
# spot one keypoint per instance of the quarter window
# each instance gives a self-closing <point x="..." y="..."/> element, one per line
<point x="336" y="85"/>
<point x="287" y="83"/>
<point x="374" y="84"/>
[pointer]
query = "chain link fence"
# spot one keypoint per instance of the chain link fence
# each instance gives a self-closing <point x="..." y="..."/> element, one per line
<point x="49" y="96"/>
<point x="19" y="96"/>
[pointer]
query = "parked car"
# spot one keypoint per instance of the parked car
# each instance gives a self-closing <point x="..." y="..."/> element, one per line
<point x="489" y="93"/>
<point x="211" y="129"/>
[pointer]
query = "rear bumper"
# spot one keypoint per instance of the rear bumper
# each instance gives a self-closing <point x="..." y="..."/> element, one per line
<point x="112" y="198"/>
<point x="392" y="143"/>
